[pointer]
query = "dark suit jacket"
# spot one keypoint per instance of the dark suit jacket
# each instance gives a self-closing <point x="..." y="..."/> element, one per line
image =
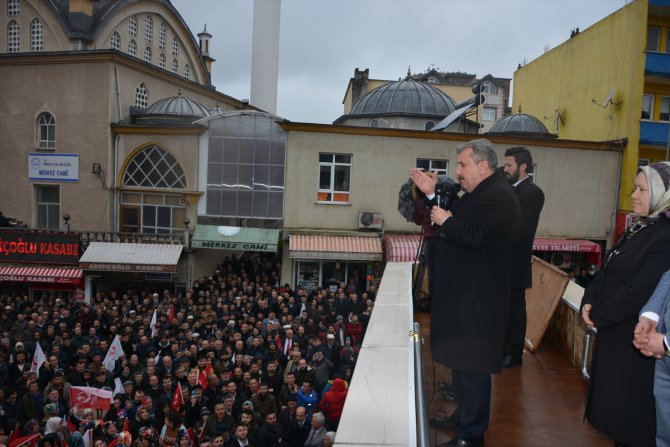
<point x="531" y="200"/>
<point x="472" y="278"/>
<point x="621" y="400"/>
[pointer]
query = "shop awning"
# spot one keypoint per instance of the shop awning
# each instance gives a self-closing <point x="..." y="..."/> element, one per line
<point x="335" y="247"/>
<point x="571" y="245"/>
<point x="43" y="275"/>
<point x="235" y="238"/>
<point x="120" y="257"/>
<point x="402" y="248"/>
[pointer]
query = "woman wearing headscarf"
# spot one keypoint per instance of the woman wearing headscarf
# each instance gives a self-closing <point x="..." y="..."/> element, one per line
<point x="620" y="401"/>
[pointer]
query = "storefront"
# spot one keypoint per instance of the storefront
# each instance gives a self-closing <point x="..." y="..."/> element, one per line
<point x="36" y="262"/>
<point x="328" y="261"/>
<point x="569" y="254"/>
<point x="110" y="264"/>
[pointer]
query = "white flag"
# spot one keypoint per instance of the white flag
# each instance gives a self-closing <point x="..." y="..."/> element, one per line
<point x="38" y="360"/>
<point x="114" y="353"/>
<point x="88" y="438"/>
<point x="118" y="388"/>
<point x="152" y="325"/>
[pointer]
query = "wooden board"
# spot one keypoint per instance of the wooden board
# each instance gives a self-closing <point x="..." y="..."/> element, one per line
<point x="549" y="283"/>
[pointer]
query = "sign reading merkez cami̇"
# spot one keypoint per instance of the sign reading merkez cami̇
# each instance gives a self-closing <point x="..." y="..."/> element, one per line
<point x="36" y="247"/>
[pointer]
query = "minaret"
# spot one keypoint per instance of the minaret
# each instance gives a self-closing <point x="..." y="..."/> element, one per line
<point x="205" y="37"/>
<point x="265" y="54"/>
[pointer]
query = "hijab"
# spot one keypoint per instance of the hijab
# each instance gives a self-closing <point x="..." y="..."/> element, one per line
<point x="658" y="178"/>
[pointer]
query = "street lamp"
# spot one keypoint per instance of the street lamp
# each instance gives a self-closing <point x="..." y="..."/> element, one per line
<point x="66" y="218"/>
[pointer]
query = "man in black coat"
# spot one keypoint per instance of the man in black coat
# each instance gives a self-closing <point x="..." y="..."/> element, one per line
<point x="475" y="245"/>
<point x="518" y="165"/>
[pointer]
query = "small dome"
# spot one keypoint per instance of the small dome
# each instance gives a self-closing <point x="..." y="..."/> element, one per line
<point x="520" y="124"/>
<point x="406" y="97"/>
<point x="177" y="105"/>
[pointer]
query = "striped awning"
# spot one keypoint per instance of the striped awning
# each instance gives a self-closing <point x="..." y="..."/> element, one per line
<point x="127" y="257"/>
<point x="402" y="248"/>
<point x="44" y="275"/>
<point x="335" y="247"/>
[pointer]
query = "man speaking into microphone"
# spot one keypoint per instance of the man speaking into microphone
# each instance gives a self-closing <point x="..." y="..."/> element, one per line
<point x="475" y="245"/>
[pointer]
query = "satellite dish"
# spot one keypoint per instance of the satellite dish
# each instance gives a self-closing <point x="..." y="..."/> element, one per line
<point x="608" y="101"/>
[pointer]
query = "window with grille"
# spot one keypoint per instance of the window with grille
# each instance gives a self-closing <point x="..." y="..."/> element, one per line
<point x="13" y="37"/>
<point x="152" y="213"/>
<point x="141" y="96"/>
<point x="489" y="114"/>
<point x="46" y="131"/>
<point x="147" y="54"/>
<point x="162" y="32"/>
<point x="334" y="178"/>
<point x="148" y="29"/>
<point x="36" y="35"/>
<point x="154" y="167"/>
<point x="116" y="41"/>
<point x="431" y="165"/>
<point x="132" y="48"/>
<point x="132" y="26"/>
<point x="175" y="66"/>
<point x="48" y="207"/>
<point x="13" y="8"/>
<point x="187" y="71"/>
<point x="161" y="61"/>
<point x="175" y="46"/>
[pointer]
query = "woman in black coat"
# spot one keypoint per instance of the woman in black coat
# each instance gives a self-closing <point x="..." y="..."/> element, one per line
<point x="621" y="402"/>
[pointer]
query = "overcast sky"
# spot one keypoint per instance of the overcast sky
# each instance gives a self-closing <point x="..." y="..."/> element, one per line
<point x="323" y="41"/>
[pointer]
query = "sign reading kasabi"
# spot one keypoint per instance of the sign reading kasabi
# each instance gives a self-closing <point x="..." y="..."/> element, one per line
<point x="35" y="247"/>
<point x="113" y="267"/>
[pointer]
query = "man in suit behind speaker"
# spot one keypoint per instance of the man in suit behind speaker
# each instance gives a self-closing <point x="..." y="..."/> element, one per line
<point x="517" y="169"/>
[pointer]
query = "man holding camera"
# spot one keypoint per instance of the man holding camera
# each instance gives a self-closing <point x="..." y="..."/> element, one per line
<point x="518" y="165"/>
<point x="475" y="245"/>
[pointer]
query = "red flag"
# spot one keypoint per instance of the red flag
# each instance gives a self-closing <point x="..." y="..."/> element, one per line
<point x="16" y="433"/>
<point x="278" y="341"/>
<point x="171" y="313"/>
<point x="126" y="425"/>
<point x="87" y="397"/>
<point x="70" y="425"/>
<point x="189" y="432"/>
<point x="202" y="376"/>
<point x="177" y="398"/>
<point x="26" y="441"/>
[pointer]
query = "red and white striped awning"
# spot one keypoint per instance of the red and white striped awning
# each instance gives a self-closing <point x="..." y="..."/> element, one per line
<point x="43" y="275"/>
<point x="402" y="248"/>
<point x="335" y="247"/>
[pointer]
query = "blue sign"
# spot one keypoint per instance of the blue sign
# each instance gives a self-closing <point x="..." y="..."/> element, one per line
<point x="53" y="167"/>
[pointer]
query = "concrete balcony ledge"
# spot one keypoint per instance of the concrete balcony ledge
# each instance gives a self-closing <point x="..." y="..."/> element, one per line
<point x="380" y="406"/>
<point x="657" y="64"/>
<point x="654" y="133"/>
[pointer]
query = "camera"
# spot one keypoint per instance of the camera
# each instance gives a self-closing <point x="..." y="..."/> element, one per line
<point x="445" y="193"/>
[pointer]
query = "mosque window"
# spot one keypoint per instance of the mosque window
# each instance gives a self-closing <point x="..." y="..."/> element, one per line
<point x="147" y="54"/>
<point x="132" y="47"/>
<point x="175" y="46"/>
<point x="13" y="37"/>
<point x="116" y="41"/>
<point x="162" y="32"/>
<point x="46" y="131"/>
<point x="132" y="26"/>
<point x="36" y="35"/>
<point x="431" y="165"/>
<point x="148" y="29"/>
<point x="334" y="178"/>
<point x="175" y="66"/>
<point x="161" y="61"/>
<point x="48" y="206"/>
<point x="187" y="71"/>
<point x="141" y="96"/>
<point x="154" y="167"/>
<point x="13" y="8"/>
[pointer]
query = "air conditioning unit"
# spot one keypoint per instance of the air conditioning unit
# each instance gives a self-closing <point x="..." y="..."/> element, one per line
<point x="562" y="260"/>
<point x="369" y="220"/>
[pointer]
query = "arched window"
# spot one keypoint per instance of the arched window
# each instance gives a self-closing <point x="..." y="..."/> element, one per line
<point x="175" y="46"/>
<point x="373" y="123"/>
<point x="162" y="33"/>
<point x="175" y="66"/>
<point x="132" y="48"/>
<point x="148" y="29"/>
<point x="46" y="131"/>
<point x="161" y="61"/>
<point x="187" y="71"/>
<point x="154" y="167"/>
<point x="13" y="8"/>
<point x="142" y="96"/>
<point x="13" y="37"/>
<point x="147" y="54"/>
<point x="429" y="125"/>
<point x="116" y="41"/>
<point x="36" y="35"/>
<point x="132" y="26"/>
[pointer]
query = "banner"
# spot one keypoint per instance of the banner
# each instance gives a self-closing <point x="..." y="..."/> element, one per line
<point x="39" y="247"/>
<point x="88" y="397"/>
<point x="113" y="354"/>
<point x="38" y="360"/>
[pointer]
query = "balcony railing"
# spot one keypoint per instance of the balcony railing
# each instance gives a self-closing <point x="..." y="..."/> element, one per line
<point x="654" y="133"/>
<point x="139" y="238"/>
<point x="657" y="64"/>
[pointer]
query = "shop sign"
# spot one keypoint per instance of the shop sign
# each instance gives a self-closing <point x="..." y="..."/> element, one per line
<point x="255" y="246"/>
<point x="39" y="279"/>
<point x="36" y="247"/>
<point x="53" y="167"/>
<point x="110" y="267"/>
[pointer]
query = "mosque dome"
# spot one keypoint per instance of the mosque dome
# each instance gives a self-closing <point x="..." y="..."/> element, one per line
<point x="405" y="97"/>
<point x="177" y="105"/>
<point x="520" y="124"/>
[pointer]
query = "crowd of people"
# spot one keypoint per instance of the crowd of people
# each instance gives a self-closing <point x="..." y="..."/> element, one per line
<point x="258" y="363"/>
